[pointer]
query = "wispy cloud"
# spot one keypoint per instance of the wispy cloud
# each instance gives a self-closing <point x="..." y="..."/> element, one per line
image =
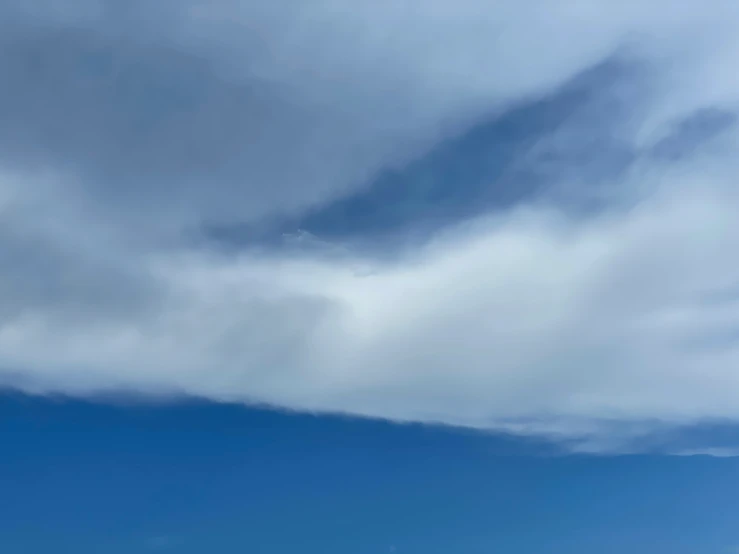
<point x="717" y="452"/>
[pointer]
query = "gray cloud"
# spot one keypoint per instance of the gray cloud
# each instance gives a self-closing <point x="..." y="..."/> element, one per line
<point x="193" y="105"/>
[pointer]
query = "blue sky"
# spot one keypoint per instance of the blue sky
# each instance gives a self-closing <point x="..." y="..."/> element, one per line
<point x="192" y="478"/>
<point x="482" y="254"/>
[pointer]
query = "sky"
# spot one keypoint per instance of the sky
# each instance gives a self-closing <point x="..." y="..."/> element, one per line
<point x="370" y="276"/>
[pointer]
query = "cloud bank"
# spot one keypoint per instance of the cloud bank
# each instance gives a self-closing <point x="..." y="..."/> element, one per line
<point x="128" y="131"/>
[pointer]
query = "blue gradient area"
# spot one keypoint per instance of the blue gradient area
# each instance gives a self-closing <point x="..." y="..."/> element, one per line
<point x="564" y="148"/>
<point x="519" y="155"/>
<point x="192" y="478"/>
<point x="515" y="156"/>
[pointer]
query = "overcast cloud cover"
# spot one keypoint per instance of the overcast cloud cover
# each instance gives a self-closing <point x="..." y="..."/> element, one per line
<point x="599" y="310"/>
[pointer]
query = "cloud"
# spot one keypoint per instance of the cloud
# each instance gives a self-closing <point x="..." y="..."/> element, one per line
<point x="162" y="542"/>
<point x="712" y="452"/>
<point x="130" y="130"/>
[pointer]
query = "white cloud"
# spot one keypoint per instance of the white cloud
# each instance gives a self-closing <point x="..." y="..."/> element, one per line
<point x="533" y="321"/>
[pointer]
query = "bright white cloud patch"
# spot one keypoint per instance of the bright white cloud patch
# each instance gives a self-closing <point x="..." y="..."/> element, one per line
<point x="595" y="328"/>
